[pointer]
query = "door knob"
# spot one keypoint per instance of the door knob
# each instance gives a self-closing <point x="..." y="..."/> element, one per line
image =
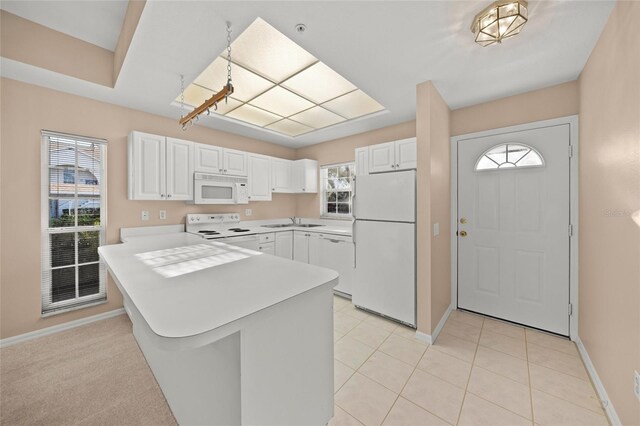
<point x="463" y="233"/>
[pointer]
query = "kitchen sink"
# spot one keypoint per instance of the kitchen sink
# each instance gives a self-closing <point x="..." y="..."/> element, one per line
<point x="278" y="225"/>
<point x="308" y="225"/>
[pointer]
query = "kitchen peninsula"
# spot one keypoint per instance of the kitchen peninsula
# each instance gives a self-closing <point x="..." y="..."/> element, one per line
<point x="233" y="336"/>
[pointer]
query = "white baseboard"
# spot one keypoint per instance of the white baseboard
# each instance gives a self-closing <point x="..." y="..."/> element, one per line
<point x="443" y="320"/>
<point x="58" y="328"/>
<point x="430" y="338"/>
<point x="602" y="393"/>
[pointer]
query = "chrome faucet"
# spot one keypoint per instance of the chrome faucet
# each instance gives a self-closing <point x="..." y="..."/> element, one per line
<point x="293" y="219"/>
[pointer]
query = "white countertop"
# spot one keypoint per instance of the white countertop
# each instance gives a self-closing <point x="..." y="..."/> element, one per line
<point x="191" y="303"/>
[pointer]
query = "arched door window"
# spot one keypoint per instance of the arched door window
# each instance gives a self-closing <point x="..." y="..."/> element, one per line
<point x="509" y="155"/>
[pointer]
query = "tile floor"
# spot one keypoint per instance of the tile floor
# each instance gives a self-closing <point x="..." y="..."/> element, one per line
<point x="479" y="372"/>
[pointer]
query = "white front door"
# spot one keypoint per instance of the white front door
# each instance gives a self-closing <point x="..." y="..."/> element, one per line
<point x="513" y="227"/>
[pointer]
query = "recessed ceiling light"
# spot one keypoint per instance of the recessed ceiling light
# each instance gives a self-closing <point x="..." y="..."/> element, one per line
<point x="275" y="79"/>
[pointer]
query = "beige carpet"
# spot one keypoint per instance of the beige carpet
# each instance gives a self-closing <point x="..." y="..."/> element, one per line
<point x="91" y="375"/>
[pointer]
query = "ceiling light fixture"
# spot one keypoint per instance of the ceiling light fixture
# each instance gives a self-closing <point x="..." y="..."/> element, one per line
<point x="501" y="19"/>
<point x="227" y="90"/>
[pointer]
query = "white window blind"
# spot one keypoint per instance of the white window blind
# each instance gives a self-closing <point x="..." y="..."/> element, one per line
<point x="337" y="192"/>
<point x="73" y="221"/>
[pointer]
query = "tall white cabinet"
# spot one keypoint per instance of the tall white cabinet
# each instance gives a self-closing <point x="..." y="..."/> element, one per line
<point x="160" y="168"/>
<point x="259" y="177"/>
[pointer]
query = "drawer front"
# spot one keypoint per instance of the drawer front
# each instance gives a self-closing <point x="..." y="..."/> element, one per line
<point x="267" y="238"/>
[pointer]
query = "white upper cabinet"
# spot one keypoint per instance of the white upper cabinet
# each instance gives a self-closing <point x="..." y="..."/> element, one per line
<point x="388" y="157"/>
<point x="406" y="155"/>
<point x="382" y="157"/>
<point x="362" y="161"/>
<point x="160" y="168"/>
<point x="235" y="162"/>
<point x="305" y="176"/>
<point x="179" y="158"/>
<point x="208" y="158"/>
<point x="281" y="175"/>
<point x="259" y="177"/>
<point x="213" y="159"/>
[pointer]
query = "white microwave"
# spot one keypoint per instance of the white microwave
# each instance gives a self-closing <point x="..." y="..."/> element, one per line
<point x="219" y="189"/>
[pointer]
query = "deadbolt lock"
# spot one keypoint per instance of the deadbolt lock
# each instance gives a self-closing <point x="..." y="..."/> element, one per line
<point x="463" y="220"/>
<point x="463" y="233"/>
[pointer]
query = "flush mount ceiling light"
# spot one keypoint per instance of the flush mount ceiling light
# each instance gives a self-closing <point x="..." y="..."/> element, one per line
<point x="280" y="86"/>
<point x="502" y="19"/>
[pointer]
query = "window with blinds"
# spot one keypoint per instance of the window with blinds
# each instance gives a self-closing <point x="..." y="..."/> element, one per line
<point x="73" y="221"/>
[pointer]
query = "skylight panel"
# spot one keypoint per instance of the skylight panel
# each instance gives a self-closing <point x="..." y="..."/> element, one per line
<point x="247" y="85"/>
<point x="289" y="127"/>
<point x="281" y="101"/>
<point x="319" y="83"/>
<point x="266" y="51"/>
<point x="353" y="105"/>
<point x="317" y="117"/>
<point x="253" y="115"/>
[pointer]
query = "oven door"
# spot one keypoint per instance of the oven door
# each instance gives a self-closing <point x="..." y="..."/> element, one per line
<point x="211" y="192"/>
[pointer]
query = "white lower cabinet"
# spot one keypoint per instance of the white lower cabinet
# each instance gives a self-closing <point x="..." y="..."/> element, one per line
<point x="269" y="248"/>
<point x="305" y="247"/>
<point x="337" y="252"/>
<point x="284" y="244"/>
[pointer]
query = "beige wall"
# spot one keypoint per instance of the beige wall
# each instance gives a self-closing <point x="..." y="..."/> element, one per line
<point x="34" y="44"/>
<point x="433" y="254"/>
<point x="26" y="109"/>
<point x="609" y="194"/>
<point x="342" y="151"/>
<point x="551" y="102"/>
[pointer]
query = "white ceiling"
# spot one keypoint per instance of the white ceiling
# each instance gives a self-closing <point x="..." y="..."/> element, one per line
<point x="97" y="22"/>
<point x="385" y="48"/>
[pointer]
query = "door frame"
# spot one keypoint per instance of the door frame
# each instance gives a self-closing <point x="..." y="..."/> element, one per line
<point x="572" y="121"/>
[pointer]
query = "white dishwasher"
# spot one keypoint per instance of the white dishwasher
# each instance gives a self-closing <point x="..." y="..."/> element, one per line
<point x="337" y="252"/>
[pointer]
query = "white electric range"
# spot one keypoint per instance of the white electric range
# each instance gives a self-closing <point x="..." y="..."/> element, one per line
<point x="222" y="227"/>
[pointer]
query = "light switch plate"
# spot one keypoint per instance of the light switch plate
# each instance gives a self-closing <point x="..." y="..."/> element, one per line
<point x="144" y="215"/>
<point x="436" y="229"/>
<point x="636" y="384"/>
<point x="163" y="214"/>
<point x="247" y="212"/>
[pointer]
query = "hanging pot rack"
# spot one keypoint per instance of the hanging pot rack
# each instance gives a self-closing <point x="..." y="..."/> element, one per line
<point x="212" y="102"/>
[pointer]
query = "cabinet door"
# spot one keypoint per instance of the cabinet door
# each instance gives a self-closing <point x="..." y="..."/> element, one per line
<point x="284" y="244"/>
<point x="208" y="158"/>
<point x="146" y="166"/>
<point x="301" y="246"/>
<point x="268" y="248"/>
<point x="406" y="156"/>
<point x="259" y="177"/>
<point x="337" y="253"/>
<point x="235" y="162"/>
<point x="314" y="248"/>
<point x="179" y="160"/>
<point x="382" y="157"/>
<point x="305" y="174"/>
<point x="362" y="161"/>
<point x="281" y="175"/>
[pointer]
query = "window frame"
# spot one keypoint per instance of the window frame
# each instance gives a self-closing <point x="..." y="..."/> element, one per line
<point x="515" y="165"/>
<point x="48" y="307"/>
<point x="324" y="190"/>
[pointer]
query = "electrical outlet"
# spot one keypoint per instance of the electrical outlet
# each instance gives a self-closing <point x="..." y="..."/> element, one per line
<point x="144" y="215"/>
<point x="163" y="214"/>
<point x="636" y="384"/>
<point x="247" y="212"/>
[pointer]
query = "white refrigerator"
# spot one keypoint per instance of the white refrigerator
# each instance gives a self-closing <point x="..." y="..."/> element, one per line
<point x="385" y="244"/>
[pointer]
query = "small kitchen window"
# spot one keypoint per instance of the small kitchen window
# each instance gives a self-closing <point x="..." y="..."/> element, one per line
<point x="73" y="221"/>
<point x="337" y="190"/>
<point x="508" y="156"/>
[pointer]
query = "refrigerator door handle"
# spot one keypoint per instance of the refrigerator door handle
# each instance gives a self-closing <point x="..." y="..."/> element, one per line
<point x="353" y="238"/>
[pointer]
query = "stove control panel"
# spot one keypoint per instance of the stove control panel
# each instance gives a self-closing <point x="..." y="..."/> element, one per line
<point x="213" y="218"/>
